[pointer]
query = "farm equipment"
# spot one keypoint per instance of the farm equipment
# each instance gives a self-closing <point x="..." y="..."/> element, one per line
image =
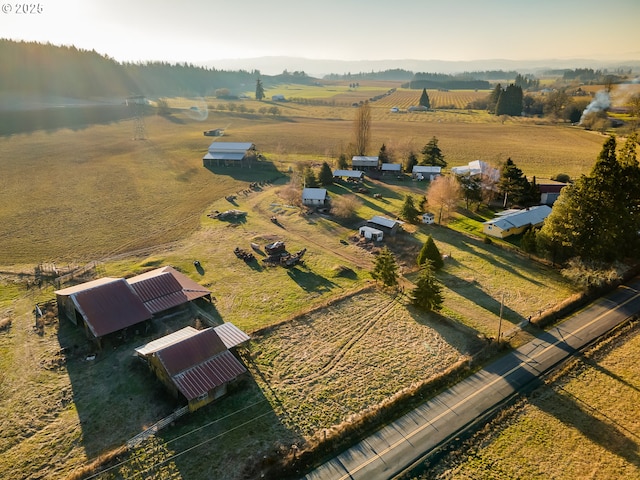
<point x="275" y="248"/>
<point x="244" y="255"/>
<point x="289" y="260"/>
<point x="278" y="255"/>
<point x="227" y="215"/>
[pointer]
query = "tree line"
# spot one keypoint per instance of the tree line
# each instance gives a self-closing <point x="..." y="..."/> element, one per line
<point x="44" y="69"/>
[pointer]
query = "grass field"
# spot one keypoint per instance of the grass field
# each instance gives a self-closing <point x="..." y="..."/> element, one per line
<point x="572" y="427"/>
<point x="156" y="189"/>
<point x="321" y="331"/>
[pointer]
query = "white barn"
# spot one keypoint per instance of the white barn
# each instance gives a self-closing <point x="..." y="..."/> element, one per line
<point x="315" y="197"/>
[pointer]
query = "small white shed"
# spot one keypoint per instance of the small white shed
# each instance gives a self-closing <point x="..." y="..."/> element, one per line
<point x="371" y="233"/>
<point x="428" y="218"/>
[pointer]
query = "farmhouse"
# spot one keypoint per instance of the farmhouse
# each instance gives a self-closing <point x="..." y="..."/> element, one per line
<point x="229" y="153"/>
<point x="109" y="305"/>
<point x="384" y="224"/>
<point x="514" y="222"/>
<point x="371" y="233"/>
<point x="391" y="167"/>
<point x="478" y="168"/>
<point x="420" y="172"/>
<point x="315" y="197"/>
<point x="278" y="98"/>
<point x="349" y="174"/>
<point x="360" y="162"/>
<point x="193" y="364"/>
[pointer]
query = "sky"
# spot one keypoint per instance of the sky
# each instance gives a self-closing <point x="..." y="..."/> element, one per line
<point x="199" y="31"/>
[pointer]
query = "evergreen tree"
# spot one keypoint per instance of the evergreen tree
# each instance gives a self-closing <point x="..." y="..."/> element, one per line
<point x="410" y="162"/>
<point x="343" y="163"/>
<point x="597" y="217"/>
<point x="428" y="292"/>
<point x="325" y="177"/>
<point x="513" y="185"/>
<point x="310" y="179"/>
<point x="259" y="90"/>
<point x="471" y="188"/>
<point x="430" y="253"/>
<point x="432" y="155"/>
<point x="493" y="98"/>
<point x="510" y="102"/>
<point x="424" y="99"/>
<point x="385" y="268"/>
<point x="383" y="156"/>
<point x="409" y="211"/>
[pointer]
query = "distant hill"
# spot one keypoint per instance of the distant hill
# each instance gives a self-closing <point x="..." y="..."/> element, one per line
<point x="34" y="70"/>
<point x="320" y="68"/>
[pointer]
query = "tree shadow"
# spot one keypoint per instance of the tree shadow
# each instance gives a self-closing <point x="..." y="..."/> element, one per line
<point x="309" y="281"/>
<point x="473" y="292"/>
<point x="578" y="415"/>
<point x="450" y="330"/>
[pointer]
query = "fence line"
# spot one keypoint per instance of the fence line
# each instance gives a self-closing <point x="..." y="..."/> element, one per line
<point x="142" y="436"/>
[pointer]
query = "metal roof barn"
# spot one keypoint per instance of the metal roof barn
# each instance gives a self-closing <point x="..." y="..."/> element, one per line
<point x="165" y="288"/>
<point x="106" y="307"/>
<point x="231" y="335"/>
<point x="199" y="363"/>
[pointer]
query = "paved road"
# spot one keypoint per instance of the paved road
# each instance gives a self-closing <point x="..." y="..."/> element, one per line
<point x="400" y="444"/>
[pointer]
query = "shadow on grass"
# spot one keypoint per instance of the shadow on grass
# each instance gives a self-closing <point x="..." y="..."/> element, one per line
<point x="309" y="281"/>
<point x="253" y="171"/>
<point x="451" y="331"/>
<point x="594" y="425"/>
<point x="473" y="292"/>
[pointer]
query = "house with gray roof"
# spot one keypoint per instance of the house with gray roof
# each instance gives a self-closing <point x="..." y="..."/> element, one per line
<point x="515" y="222"/>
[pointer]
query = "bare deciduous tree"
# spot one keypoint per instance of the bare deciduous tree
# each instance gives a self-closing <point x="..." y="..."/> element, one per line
<point x="444" y="193"/>
<point x="345" y="206"/>
<point x="362" y="128"/>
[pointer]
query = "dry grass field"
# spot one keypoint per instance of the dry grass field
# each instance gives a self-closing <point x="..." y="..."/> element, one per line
<point x="327" y="344"/>
<point x="572" y="427"/>
<point x="80" y="195"/>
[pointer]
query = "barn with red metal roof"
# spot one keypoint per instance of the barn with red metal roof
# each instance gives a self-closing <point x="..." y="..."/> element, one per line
<point x="108" y="305"/>
<point x="102" y="306"/>
<point x="197" y="367"/>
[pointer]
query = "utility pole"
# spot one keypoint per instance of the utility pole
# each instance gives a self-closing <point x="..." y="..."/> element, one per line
<point x="500" y="321"/>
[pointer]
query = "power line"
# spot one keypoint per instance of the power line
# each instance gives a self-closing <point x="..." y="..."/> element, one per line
<point x="124" y="462"/>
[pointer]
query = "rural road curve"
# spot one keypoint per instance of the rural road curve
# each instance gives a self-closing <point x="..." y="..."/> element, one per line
<point x="400" y="444"/>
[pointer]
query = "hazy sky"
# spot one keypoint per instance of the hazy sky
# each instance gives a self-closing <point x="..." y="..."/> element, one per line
<point x="201" y="30"/>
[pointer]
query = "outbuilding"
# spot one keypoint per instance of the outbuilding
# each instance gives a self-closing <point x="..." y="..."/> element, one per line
<point x="428" y="218"/>
<point x="361" y="162"/>
<point x="429" y="172"/>
<point x="371" y="233"/>
<point x="229" y="153"/>
<point x="315" y="197"/>
<point x="387" y="225"/>
<point x="394" y="168"/>
<point x="348" y="174"/>
<point x="193" y="364"/>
